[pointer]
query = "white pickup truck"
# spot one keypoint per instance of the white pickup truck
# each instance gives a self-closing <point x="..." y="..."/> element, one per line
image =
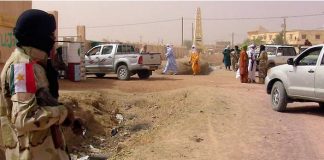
<point x="299" y="80"/>
<point x="121" y="59"/>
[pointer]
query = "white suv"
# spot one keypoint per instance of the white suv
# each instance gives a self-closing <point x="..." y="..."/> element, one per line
<point x="279" y="54"/>
<point x="299" y="80"/>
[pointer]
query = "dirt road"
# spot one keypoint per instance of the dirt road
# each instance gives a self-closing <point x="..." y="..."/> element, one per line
<point x="202" y="117"/>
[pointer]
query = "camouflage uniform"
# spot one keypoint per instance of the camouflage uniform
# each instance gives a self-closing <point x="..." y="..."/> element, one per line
<point x="235" y="55"/>
<point x="263" y="66"/>
<point x="25" y="125"/>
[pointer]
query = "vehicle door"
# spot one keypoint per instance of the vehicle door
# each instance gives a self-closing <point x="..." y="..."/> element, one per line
<point x="92" y="59"/>
<point x="319" y="78"/>
<point x="301" y="75"/>
<point x="106" y="58"/>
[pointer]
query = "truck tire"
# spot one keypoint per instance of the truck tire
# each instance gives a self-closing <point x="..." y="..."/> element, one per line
<point x="100" y="75"/>
<point x="123" y="73"/>
<point x="278" y="97"/>
<point x="144" y="74"/>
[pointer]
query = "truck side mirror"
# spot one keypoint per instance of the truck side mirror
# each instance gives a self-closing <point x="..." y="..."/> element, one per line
<point x="290" y="61"/>
<point x="279" y="54"/>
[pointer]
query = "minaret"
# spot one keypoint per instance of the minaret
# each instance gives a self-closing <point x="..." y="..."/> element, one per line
<point x="198" y="36"/>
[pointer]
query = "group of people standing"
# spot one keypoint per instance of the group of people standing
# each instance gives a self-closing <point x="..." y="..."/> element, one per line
<point x="244" y="61"/>
<point x="231" y="57"/>
<point x="248" y="64"/>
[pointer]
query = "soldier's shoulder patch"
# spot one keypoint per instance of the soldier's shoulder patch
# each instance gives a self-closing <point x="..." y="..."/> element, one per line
<point x="22" y="78"/>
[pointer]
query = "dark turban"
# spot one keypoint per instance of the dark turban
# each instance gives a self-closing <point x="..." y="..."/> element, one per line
<point x="35" y="28"/>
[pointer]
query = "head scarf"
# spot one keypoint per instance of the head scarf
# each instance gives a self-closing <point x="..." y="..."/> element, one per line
<point x="262" y="48"/>
<point x="244" y="47"/>
<point x="35" y="28"/>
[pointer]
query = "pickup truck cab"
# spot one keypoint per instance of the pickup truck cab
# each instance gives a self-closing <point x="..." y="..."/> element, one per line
<point x="279" y="54"/>
<point x="299" y="80"/>
<point x="121" y="59"/>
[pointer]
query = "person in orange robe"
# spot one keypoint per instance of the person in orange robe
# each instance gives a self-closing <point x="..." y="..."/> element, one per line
<point x="194" y="60"/>
<point x="244" y="61"/>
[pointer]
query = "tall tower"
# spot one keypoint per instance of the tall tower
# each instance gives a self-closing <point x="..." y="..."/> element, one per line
<point x="198" y="36"/>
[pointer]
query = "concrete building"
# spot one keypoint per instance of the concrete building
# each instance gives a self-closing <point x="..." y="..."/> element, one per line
<point x="293" y="37"/>
<point x="9" y="13"/>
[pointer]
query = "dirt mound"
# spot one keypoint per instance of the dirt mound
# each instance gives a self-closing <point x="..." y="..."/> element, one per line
<point x="107" y="134"/>
<point x="184" y="68"/>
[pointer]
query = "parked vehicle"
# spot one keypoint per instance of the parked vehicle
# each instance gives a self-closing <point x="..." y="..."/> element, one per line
<point x="279" y="54"/>
<point x="299" y="80"/>
<point x="121" y="59"/>
<point x="302" y="48"/>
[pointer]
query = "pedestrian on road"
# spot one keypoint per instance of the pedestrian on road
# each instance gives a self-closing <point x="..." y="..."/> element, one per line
<point x="252" y="63"/>
<point x="194" y="60"/>
<point x="171" y="60"/>
<point x="263" y="64"/>
<point x="26" y="125"/>
<point x="227" y="58"/>
<point x="243" y="62"/>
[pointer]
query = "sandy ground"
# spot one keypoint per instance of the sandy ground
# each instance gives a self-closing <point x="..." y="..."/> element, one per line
<point x="195" y="117"/>
<point x="202" y="117"/>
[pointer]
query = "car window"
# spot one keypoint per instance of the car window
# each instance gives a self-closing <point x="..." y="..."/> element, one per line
<point x="309" y="58"/>
<point x="125" y="48"/>
<point x="94" y="51"/>
<point x="322" y="62"/>
<point x="288" y="51"/>
<point x="271" y="50"/>
<point x="107" y="49"/>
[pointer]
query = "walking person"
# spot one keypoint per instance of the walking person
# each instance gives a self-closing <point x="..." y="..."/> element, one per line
<point x="252" y="63"/>
<point x="243" y="63"/>
<point x="227" y="58"/>
<point x="194" y="60"/>
<point x="171" y="60"/>
<point x="26" y="125"/>
<point x="263" y="64"/>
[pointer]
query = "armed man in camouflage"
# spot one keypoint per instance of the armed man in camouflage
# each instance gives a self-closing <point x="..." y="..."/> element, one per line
<point x="263" y="64"/>
<point x="26" y="125"/>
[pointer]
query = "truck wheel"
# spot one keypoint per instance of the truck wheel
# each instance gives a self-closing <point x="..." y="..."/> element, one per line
<point x="123" y="73"/>
<point x="278" y="97"/>
<point x="144" y="74"/>
<point x="100" y="75"/>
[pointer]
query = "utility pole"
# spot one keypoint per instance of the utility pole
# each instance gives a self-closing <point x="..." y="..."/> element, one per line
<point x="192" y="33"/>
<point x="232" y="39"/>
<point x="182" y="31"/>
<point x="284" y="31"/>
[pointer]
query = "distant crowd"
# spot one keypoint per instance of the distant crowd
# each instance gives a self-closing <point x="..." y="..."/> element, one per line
<point x="244" y="62"/>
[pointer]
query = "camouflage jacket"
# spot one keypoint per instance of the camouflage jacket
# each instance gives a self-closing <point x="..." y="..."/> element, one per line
<point x="25" y="126"/>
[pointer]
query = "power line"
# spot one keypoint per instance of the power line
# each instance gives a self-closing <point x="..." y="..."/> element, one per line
<point x="258" y="18"/>
<point x="208" y="19"/>
<point x="129" y="24"/>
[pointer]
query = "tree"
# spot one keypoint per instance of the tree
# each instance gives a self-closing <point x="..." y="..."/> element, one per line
<point x="278" y="39"/>
<point x="258" y="41"/>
